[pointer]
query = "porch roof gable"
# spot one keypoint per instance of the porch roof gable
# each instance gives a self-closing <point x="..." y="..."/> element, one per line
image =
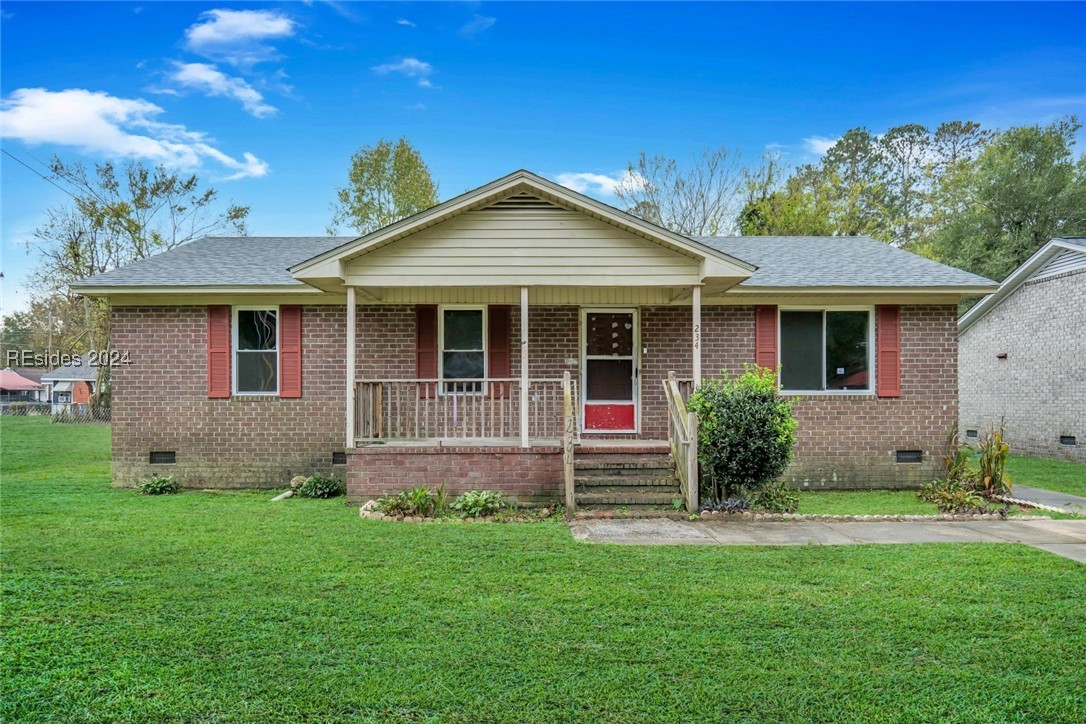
<point x="331" y="267"/>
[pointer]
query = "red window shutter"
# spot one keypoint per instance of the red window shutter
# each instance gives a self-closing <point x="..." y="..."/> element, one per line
<point x="888" y="350"/>
<point x="765" y="336"/>
<point x="290" y="351"/>
<point x="498" y="344"/>
<point x="218" y="352"/>
<point x="426" y="346"/>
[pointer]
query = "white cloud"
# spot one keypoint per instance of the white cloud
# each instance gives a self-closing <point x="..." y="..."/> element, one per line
<point x="99" y="123"/>
<point x="405" y="22"/>
<point x="818" y="145"/>
<point x="410" y="67"/>
<point x="600" y="184"/>
<point x="211" y="81"/>
<point x="478" y="24"/>
<point x="238" y="37"/>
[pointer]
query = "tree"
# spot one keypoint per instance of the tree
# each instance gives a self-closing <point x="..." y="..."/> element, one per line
<point x="116" y="218"/>
<point x="701" y="198"/>
<point x="904" y="150"/>
<point x="1026" y="188"/>
<point x="798" y="205"/>
<point x="385" y="183"/>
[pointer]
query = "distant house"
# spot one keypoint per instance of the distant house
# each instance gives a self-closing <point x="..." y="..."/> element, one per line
<point x="45" y="392"/>
<point x="72" y="386"/>
<point x="1023" y="355"/>
<point x="517" y="334"/>
<point x="17" y="388"/>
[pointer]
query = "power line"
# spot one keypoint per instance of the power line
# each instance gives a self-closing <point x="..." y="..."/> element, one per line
<point x="35" y="172"/>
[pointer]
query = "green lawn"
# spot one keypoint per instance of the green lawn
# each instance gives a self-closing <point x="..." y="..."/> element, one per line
<point x="864" y="502"/>
<point x="229" y="607"/>
<point x="1061" y="475"/>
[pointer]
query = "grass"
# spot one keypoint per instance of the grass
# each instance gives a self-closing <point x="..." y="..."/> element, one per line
<point x="864" y="502"/>
<point x="225" y="606"/>
<point x="1063" y="476"/>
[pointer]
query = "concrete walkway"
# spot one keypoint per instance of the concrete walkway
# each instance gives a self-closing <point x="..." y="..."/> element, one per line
<point x="1073" y="503"/>
<point x="1066" y="538"/>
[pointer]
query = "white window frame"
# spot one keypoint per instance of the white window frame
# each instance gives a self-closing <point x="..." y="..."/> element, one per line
<point x="441" y="347"/>
<point x="871" y="356"/>
<point x="234" y="348"/>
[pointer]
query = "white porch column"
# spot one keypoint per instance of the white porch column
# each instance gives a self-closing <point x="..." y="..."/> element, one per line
<point x="352" y="311"/>
<point x="696" y="332"/>
<point x="524" y="367"/>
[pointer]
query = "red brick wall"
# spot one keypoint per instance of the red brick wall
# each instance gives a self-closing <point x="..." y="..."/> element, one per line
<point x="533" y="474"/>
<point x="160" y="400"/>
<point x="160" y="404"/>
<point x="81" y="393"/>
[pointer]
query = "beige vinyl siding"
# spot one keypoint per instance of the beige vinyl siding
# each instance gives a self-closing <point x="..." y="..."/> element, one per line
<point x="514" y="247"/>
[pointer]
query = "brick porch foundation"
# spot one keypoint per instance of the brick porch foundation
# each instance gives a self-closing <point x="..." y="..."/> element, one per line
<point x="526" y="474"/>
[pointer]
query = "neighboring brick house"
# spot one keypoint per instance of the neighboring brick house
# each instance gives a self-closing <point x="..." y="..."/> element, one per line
<point x="1023" y="355"/>
<point x="396" y="358"/>
<point x="72" y="386"/>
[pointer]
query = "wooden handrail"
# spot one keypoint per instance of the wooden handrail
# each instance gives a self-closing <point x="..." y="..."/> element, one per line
<point x="682" y="432"/>
<point x="569" y="434"/>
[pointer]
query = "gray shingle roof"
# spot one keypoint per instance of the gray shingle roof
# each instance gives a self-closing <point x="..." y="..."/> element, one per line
<point x="220" y="261"/>
<point x="74" y="371"/>
<point x="837" y="261"/>
<point x="782" y="261"/>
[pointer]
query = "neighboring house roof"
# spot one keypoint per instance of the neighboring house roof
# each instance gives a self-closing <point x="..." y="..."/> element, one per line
<point x="839" y="261"/>
<point x="14" y="382"/>
<point x="220" y="261"/>
<point x="31" y="373"/>
<point x="74" y="372"/>
<point x="1058" y="256"/>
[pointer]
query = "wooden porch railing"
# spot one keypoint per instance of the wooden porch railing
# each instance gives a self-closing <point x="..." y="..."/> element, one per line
<point x="570" y="434"/>
<point x="682" y="433"/>
<point x="424" y="409"/>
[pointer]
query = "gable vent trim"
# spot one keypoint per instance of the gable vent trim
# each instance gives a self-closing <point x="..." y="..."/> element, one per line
<point x="526" y="202"/>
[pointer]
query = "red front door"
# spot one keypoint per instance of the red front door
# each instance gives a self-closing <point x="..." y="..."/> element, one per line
<point x="610" y="370"/>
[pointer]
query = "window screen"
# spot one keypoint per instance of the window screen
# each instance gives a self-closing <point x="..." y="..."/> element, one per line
<point x="846" y="350"/>
<point x="257" y="357"/>
<point x="801" y="350"/>
<point x="609" y="379"/>
<point x="463" y="355"/>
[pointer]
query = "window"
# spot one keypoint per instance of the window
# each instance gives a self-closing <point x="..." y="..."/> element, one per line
<point x="256" y="352"/>
<point x="825" y="350"/>
<point x="463" y="348"/>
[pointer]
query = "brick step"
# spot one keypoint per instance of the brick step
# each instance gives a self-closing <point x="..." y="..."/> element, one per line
<point x="624" y="499"/>
<point x="621" y="447"/>
<point x="623" y="481"/>
<point x="616" y="463"/>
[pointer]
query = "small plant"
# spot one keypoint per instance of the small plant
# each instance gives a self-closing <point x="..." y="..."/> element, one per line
<point x="159" y="485"/>
<point x="478" y="503"/>
<point x="677" y="503"/>
<point x="420" y="500"/>
<point x="951" y="496"/>
<point x="734" y="504"/>
<point x="318" y="486"/>
<point x="993" y="461"/>
<point x="774" y="498"/>
<point x="956" y="459"/>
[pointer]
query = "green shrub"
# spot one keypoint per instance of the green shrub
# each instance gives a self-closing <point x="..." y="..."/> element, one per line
<point x="478" y="503"/>
<point x="318" y="486"/>
<point x="159" y="485"/>
<point x="421" y="500"/>
<point x="746" y="434"/>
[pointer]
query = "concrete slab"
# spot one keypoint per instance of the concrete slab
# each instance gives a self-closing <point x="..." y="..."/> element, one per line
<point x="643" y="532"/>
<point x="796" y="533"/>
<point x="1073" y="503"/>
<point x="1074" y="551"/>
<point x="1031" y="532"/>
<point x="913" y="532"/>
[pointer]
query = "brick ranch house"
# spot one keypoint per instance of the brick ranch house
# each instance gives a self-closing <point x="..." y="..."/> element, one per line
<point x="1023" y="356"/>
<point x="441" y="348"/>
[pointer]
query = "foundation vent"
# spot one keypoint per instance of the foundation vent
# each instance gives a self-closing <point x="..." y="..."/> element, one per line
<point x="1067" y="440"/>
<point x="971" y="433"/>
<point x="339" y="458"/>
<point x="162" y="457"/>
<point x="910" y="456"/>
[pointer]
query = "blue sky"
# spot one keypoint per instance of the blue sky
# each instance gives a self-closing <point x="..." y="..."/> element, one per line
<point x="268" y="100"/>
